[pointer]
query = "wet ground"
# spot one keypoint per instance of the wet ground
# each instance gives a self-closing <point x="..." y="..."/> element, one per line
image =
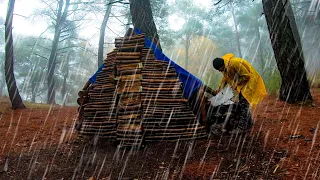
<point x="39" y="142"/>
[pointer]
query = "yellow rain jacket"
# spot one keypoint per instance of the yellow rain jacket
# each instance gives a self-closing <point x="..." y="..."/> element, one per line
<point x="238" y="72"/>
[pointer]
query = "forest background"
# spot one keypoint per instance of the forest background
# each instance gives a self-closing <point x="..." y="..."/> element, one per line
<point x="192" y="33"/>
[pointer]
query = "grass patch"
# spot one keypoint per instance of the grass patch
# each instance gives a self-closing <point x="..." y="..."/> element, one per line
<point x="31" y="105"/>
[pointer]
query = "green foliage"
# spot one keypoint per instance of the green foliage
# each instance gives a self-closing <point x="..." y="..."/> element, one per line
<point x="212" y="79"/>
<point x="160" y="12"/>
<point x="273" y="82"/>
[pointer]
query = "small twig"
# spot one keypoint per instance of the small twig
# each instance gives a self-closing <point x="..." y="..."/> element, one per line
<point x="20" y="15"/>
<point x="217" y="3"/>
<point x="41" y="56"/>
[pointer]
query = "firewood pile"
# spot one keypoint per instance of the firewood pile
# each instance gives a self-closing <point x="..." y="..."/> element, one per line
<point x="99" y="109"/>
<point x="136" y="98"/>
<point x="166" y="114"/>
<point x="128" y="71"/>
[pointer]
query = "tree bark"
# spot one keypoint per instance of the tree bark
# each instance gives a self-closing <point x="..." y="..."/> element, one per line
<point x="64" y="89"/>
<point x="287" y="48"/>
<point x="259" y="52"/>
<point x="236" y="30"/>
<point x="102" y="32"/>
<point x="33" y="94"/>
<point x="188" y="37"/>
<point x="142" y="19"/>
<point x="61" y="17"/>
<point x="1" y="87"/>
<point x="13" y="91"/>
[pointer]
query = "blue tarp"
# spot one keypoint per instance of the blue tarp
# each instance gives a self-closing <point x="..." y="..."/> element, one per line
<point x="189" y="82"/>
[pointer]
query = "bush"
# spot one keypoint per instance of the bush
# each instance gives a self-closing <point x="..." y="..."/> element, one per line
<point x="272" y="81"/>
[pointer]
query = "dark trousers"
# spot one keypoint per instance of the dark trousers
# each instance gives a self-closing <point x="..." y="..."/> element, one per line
<point x="244" y="114"/>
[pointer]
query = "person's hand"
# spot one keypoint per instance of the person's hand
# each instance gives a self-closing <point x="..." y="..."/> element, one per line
<point x="215" y="92"/>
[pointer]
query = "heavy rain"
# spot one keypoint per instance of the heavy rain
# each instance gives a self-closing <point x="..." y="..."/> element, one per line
<point x="159" y="89"/>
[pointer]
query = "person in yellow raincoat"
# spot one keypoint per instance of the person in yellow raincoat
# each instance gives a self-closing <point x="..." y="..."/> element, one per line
<point x="243" y="78"/>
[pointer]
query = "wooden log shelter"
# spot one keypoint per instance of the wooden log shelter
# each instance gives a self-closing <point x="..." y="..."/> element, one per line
<point x="136" y="98"/>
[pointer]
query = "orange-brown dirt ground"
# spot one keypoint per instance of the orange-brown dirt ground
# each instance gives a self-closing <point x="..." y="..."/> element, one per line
<point x="40" y="143"/>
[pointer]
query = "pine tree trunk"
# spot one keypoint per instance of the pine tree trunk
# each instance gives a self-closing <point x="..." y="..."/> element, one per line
<point x="33" y="95"/>
<point x="2" y="81"/>
<point x="102" y="33"/>
<point x="187" y="51"/>
<point x="236" y="30"/>
<point x="1" y="88"/>
<point x="142" y="19"/>
<point x="61" y="17"/>
<point x="64" y="89"/>
<point x="13" y="91"/>
<point x="288" y="50"/>
<point x="128" y="21"/>
<point x="259" y="52"/>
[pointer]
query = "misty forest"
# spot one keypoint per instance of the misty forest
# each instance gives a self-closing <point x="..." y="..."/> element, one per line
<point x="159" y="89"/>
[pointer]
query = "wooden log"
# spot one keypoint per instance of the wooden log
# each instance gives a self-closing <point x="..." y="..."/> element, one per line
<point x="97" y="127"/>
<point x="100" y="112"/>
<point x="162" y="97"/>
<point x="103" y="123"/>
<point x="122" y="46"/>
<point x="101" y="120"/>
<point x="168" y="116"/>
<point x="126" y="112"/>
<point x="158" y="71"/>
<point x="128" y="66"/>
<point x="111" y="53"/>
<point x="129" y="72"/>
<point x="97" y="109"/>
<point x="104" y="86"/>
<point x="137" y="40"/>
<point x="158" y="84"/>
<point x="151" y="139"/>
<point x="104" y="81"/>
<point x="130" y="48"/>
<point x="155" y="108"/>
<point x="130" y="37"/>
<point x="161" y="85"/>
<point x="101" y="94"/>
<point x="128" y="86"/>
<point x="130" y="107"/>
<point x="81" y="101"/>
<point x="131" y="116"/>
<point x="130" y="77"/>
<point x="137" y="69"/>
<point x="160" y="89"/>
<point x="177" y="93"/>
<point x="161" y="104"/>
<point x="160" y="80"/>
<point x="126" y="44"/>
<point x="98" y="103"/>
<point x="110" y="92"/>
<point x="159" y="75"/>
<point x="128" y="54"/>
<point x="83" y="93"/>
<point x="126" y="57"/>
<point x="86" y="85"/>
<point x="167" y="127"/>
<point x="105" y="97"/>
<point x="166" y="111"/>
<point x="129" y="90"/>
<point x="127" y="61"/>
<point x="98" y="133"/>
